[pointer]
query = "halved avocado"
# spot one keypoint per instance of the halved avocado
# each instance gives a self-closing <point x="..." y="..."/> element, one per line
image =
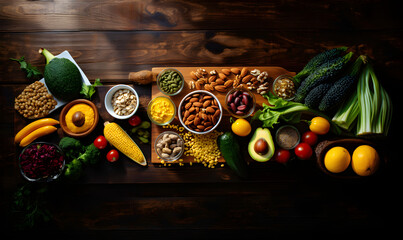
<point x="261" y="145"/>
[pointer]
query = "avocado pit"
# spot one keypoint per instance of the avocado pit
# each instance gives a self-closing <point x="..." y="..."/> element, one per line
<point x="261" y="146"/>
<point x="78" y="118"/>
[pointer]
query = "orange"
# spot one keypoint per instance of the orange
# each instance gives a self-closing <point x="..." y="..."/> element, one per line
<point x="241" y="127"/>
<point x="365" y="160"/>
<point x="337" y="159"/>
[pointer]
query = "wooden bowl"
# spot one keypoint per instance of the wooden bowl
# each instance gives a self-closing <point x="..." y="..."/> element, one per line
<point x="350" y="144"/>
<point x="64" y="111"/>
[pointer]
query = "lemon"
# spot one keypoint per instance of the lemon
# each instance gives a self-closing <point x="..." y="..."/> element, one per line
<point x="241" y="127"/>
<point x="365" y="160"/>
<point x="337" y="159"/>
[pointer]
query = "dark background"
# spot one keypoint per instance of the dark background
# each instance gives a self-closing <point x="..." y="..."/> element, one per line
<point x="109" y="39"/>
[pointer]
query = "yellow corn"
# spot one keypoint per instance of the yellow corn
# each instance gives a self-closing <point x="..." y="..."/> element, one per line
<point x="122" y="141"/>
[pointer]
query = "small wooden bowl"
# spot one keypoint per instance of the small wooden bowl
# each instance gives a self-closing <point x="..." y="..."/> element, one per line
<point x="350" y="144"/>
<point x="64" y="111"/>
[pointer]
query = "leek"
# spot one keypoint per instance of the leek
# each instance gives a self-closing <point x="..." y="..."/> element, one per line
<point x="347" y="113"/>
<point x="370" y="106"/>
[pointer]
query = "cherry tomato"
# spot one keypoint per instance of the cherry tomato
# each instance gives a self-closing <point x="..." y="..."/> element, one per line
<point x="310" y="137"/>
<point x="112" y="156"/>
<point x="319" y="125"/>
<point x="303" y="151"/>
<point x="135" y="120"/>
<point x="282" y="155"/>
<point x="100" y="142"/>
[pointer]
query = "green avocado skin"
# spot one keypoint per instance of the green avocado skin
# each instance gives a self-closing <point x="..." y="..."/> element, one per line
<point x="63" y="79"/>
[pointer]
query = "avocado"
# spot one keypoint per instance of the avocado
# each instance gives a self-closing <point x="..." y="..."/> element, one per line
<point x="261" y="145"/>
<point x="62" y="77"/>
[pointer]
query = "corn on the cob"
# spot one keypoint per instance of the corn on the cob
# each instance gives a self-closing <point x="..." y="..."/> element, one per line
<point x="122" y="141"/>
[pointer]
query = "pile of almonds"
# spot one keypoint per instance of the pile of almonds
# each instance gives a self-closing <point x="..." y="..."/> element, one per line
<point x="200" y="112"/>
<point x="227" y="78"/>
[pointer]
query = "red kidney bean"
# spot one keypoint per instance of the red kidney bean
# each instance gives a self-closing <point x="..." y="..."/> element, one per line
<point x="239" y="102"/>
<point x="241" y="107"/>
<point x="233" y="107"/>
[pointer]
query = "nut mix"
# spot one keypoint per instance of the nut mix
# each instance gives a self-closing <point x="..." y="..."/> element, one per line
<point x="284" y="87"/>
<point x="124" y="102"/>
<point x="169" y="146"/>
<point x="200" y="112"/>
<point x="35" y="101"/>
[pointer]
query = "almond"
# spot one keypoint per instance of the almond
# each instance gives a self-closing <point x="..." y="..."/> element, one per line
<point x="191" y="117"/>
<point x="222" y="76"/>
<point x="217" y="113"/>
<point x="228" y="83"/>
<point x="197" y="104"/>
<point x="207" y="103"/>
<point x="186" y="114"/>
<point x="201" y="127"/>
<point x="247" y="78"/>
<point x="235" y="70"/>
<point x="193" y="99"/>
<point x="188" y="105"/>
<point x="210" y="110"/>
<point x="244" y="71"/>
<point x="220" y="88"/>
<point x="196" y="121"/>
<point x="208" y="87"/>
<point x="226" y="71"/>
<point x="212" y="78"/>
<point x="220" y="81"/>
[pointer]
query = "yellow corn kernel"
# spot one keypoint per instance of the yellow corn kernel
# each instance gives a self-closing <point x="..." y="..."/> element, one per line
<point x="117" y="137"/>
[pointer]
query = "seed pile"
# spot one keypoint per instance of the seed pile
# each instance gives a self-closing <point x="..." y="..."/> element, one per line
<point x="35" y="101"/>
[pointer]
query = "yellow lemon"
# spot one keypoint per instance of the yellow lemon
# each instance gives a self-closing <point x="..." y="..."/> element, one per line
<point x="241" y="127"/>
<point x="337" y="159"/>
<point x="365" y="160"/>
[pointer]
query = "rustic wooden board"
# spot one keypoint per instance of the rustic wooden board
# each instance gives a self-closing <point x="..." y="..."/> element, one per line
<point x="224" y="124"/>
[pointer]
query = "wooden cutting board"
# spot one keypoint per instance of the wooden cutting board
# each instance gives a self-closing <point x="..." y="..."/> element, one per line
<point x="273" y="73"/>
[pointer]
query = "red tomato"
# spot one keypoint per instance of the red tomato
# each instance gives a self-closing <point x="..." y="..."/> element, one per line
<point x="135" y="120"/>
<point x="310" y="137"/>
<point x="303" y="151"/>
<point x="282" y="155"/>
<point x="113" y="155"/>
<point x="100" y="142"/>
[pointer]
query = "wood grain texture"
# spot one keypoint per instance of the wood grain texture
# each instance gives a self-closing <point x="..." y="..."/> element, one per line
<point x="111" y="56"/>
<point x="110" y="38"/>
<point x="67" y="15"/>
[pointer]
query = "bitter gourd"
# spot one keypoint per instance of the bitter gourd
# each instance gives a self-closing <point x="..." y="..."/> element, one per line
<point x="314" y="97"/>
<point x="324" y="73"/>
<point x="318" y="60"/>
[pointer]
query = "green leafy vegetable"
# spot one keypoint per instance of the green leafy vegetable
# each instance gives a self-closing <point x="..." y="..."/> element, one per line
<point x="31" y="71"/>
<point x="287" y="111"/>
<point x="89" y="90"/>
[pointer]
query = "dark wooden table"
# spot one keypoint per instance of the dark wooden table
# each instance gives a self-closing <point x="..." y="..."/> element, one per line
<point x="109" y="39"/>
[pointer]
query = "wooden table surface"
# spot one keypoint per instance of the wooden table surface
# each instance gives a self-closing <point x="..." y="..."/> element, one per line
<point x="109" y="39"/>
